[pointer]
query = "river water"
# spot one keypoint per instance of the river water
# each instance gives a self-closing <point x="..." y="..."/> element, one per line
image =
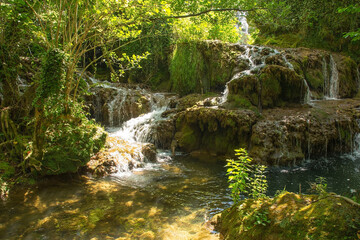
<point x="170" y="199"/>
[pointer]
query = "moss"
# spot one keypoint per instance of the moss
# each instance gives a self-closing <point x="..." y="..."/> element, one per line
<point x="244" y="92"/>
<point x="216" y="131"/>
<point x="280" y="86"/>
<point x="348" y="79"/>
<point x="291" y="216"/>
<point x="188" y="138"/>
<point x="236" y="101"/>
<point x="201" y="66"/>
<point x="270" y="90"/>
<point x="186" y="69"/>
<point x="315" y="79"/>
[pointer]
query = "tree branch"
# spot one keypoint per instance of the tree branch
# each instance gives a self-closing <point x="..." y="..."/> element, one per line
<point x="208" y="11"/>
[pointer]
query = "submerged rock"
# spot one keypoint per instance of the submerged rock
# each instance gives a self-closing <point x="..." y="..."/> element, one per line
<point x="291" y="216"/>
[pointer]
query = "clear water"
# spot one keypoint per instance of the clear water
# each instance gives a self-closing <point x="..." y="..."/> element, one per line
<point x="171" y="199"/>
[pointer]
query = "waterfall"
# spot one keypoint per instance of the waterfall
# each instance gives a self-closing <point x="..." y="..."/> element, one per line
<point x="325" y="74"/>
<point x="356" y="144"/>
<point x="255" y="57"/>
<point x="132" y="114"/>
<point x="334" y="79"/>
<point x="307" y="98"/>
<point x="243" y="25"/>
<point x="331" y="81"/>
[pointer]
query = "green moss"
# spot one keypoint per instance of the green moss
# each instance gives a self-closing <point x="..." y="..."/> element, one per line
<point x="188" y="138"/>
<point x="291" y="216"/>
<point x="348" y="79"/>
<point x="186" y="69"/>
<point x="270" y="90"/>
<point x="315" y="79"/>
<point x="236" y="101"/>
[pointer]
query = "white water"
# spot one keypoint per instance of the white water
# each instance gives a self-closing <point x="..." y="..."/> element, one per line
<point x="243" y="25"/>
<point x="334" y="80"/>
<point x="256" y="58"/>
<point x="134" y="134"/>
<point x="331" y="79"/>
<point x="307" y="98"/>
<point x="127" y="142"/>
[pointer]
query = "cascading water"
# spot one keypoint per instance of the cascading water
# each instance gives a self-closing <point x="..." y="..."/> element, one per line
<point x="113" y="104"/>
<point x="256" y="57"/>
<point x="128" y="140"/>
<point x="331" y="79"/>
<point x="243" y="25"/>
<point x="334" y="79"/>
<point x="356" y="145"/>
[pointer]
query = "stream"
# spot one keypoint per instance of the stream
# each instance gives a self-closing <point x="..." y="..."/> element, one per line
<point x="170" y="199"/>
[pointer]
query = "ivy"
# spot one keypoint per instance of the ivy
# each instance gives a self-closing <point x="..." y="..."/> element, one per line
<point x="52" y="74"/>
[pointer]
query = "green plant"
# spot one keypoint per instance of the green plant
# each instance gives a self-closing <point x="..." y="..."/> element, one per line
<point x="259" y="183"/>
<point x="245" y="178"/>
<point x="319" y="186"/>
<point x="261" y="218"/>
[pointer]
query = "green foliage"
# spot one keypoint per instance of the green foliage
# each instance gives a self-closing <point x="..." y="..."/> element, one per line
<point x="70" y="146"/>
<point x="70" y="141"/>
<point x="353" y="10"/>
<point x="319" y="186"/>
<point x="186" y="68"/>
<point x="212" y="28"/>
<point x="261" y="218"/>
<point x="245" y="178"/>
<point x="52" y="74"/>
<point x="309" y="23"/>
<point x="259" y="183"/>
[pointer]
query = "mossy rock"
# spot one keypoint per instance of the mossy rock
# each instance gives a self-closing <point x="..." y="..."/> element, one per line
<point x="281" y="86"/>
<point x="201" y="66"/>
<point x="216" y="131"/>
<point x="291" y="216"/>
<point x="348" y="77"/>
<point x="244" y="90"/>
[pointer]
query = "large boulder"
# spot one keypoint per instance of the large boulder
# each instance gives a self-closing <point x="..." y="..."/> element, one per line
<point x="291" y="216"/>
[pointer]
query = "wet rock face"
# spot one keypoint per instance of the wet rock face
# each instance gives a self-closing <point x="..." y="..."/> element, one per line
<point x="162" y="134"/>
<point x="291" y="139"/>
<point x="319" y="67"/>
<point x="216" y="131"/>
<point x="113" y="106"/>
<point x="281" y="136"/>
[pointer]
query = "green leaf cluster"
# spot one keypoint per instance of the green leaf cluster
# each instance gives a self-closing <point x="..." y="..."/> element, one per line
<point x="245" y="178"/>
